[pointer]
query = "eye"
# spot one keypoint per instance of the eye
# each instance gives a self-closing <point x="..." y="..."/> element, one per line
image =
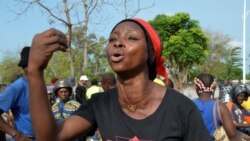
<point x="133" y="38"/>
<point x="111" y="39"/>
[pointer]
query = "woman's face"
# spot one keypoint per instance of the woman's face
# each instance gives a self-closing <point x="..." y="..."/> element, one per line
<point x="127" y="48"/>
<point x="240" y="98"/>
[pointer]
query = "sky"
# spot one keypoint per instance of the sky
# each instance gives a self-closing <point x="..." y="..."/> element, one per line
<point x="223" y="16"/>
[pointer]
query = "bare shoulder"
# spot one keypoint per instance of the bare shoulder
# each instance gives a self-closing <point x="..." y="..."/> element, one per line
<point x="224" y="110"/>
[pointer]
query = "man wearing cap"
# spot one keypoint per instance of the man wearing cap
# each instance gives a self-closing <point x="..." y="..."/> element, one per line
<point x="16" y="98"/>
<point x="81" y="89"/>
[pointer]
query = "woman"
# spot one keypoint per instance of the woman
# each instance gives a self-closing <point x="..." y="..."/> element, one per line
<point x="137" y="109"/>
<point x="239" y="94"/>
<point x="205" y="87"/>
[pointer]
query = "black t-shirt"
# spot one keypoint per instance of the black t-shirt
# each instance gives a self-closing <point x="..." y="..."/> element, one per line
<point x="80" y="93"/>
<point x="176" y="119"/>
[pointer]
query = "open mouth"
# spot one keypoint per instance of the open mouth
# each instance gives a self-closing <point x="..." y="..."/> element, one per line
<point x="116" y="57"/>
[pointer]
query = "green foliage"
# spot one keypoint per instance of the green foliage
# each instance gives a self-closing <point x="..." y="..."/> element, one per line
<point x="223" y="59"/>
<point x="9" y="71"/>
<point x="248" y="76"/>
<point x="97" y="62"/>
<point x="57" y="67"/>
<point x="184" y="44"/>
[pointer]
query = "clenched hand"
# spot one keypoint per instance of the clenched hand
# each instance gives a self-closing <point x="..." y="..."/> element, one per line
<point x="43" y="47"/>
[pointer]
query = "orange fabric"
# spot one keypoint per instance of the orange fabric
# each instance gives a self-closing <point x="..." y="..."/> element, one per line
<point x="247" y="119"/>
<point x="229" y="105"/>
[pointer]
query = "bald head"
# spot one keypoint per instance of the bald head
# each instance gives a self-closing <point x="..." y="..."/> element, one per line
<point x="108" y="81"/>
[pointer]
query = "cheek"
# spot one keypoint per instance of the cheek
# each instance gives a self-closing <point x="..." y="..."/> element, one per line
<point x="107" y="51"/>
<point x="140" y="53"/>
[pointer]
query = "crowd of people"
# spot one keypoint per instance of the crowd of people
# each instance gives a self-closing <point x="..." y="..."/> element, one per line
<point x="136" y="102"/>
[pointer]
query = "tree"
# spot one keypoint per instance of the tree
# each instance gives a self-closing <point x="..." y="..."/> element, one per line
<point x="69" y="14"/>
<point x="70" y="9"/>
<point x="9" y="69"/>
<point x="128" y="8"/>
<point x="184" y="44"/>
<point x="223" y="58"/>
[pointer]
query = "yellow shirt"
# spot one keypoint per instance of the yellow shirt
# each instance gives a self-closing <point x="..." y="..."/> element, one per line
<point x="158" y="81"/>
<point x="93" y="89"/>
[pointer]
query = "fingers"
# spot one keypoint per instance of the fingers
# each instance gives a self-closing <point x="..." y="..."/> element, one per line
<point x="53" y="32"/>
<point x="43" y="46"/>
<point x="52" y="38"/>
<point x="56" y="43"/>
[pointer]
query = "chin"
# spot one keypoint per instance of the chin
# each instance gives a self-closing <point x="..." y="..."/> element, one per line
<point x="118" y="68"/>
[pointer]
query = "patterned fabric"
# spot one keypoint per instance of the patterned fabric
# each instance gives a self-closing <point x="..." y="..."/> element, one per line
<point x="224" y="94"/>
<point x="63" y="110"/>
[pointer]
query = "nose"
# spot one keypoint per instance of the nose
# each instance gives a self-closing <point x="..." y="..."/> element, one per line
<point x="119" y="44"/>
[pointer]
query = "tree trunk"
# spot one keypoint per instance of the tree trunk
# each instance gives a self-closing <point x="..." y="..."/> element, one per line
<point x="69" y="25"/>
<point x="179" y="79"/>
<point x="84" y="32"/>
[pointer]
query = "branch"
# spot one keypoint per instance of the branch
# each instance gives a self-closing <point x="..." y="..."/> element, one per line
<point x="49" y="11"/>
<point x="96" y="43"/>
<point x="18" y="14"/>
<point x="93" y="8"/>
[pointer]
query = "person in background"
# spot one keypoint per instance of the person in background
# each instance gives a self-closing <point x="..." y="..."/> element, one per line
<point x="205" y="86"/>
<point x="94" y="88"/>
<point x="50" y="94"/>
<point x="239" y="94"/>
<point x="108" y="81"/>
<point x="72" y="82"/>
<point x="16" y="98"/>
<point x="137" y="109"/>
<point x="246" y="103"/>
<point x="81" y="89"/>
<point x="225" y="90"/>
<point x="53" y="81"/>
<point x="65" y="107"/>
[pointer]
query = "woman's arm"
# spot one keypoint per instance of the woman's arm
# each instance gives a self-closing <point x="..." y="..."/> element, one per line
<point x="44" y="124"/>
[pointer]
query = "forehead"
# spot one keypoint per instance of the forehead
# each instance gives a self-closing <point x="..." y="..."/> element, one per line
<point x="128" y="26"/>
<point x="63" y="89"/>
<point x="243" y="94"/>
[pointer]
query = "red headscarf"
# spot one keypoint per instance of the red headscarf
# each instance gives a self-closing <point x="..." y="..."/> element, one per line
<point x="156" y="42"/>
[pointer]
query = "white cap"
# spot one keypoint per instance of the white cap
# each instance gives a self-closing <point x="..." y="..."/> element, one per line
<point x="84" y="77"/>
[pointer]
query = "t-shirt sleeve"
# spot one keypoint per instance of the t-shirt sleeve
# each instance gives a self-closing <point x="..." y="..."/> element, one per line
<point x="86" y="110"/>
<point x="8" y="98"/>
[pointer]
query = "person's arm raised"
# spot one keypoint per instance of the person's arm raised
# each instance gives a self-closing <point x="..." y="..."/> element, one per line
<point x="43" y="46"/>
<point x="43" y="122"/>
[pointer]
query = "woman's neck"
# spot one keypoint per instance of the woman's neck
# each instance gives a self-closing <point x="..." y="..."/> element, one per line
<point x="134" y="93"/>
<point x="205" y="96"/>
